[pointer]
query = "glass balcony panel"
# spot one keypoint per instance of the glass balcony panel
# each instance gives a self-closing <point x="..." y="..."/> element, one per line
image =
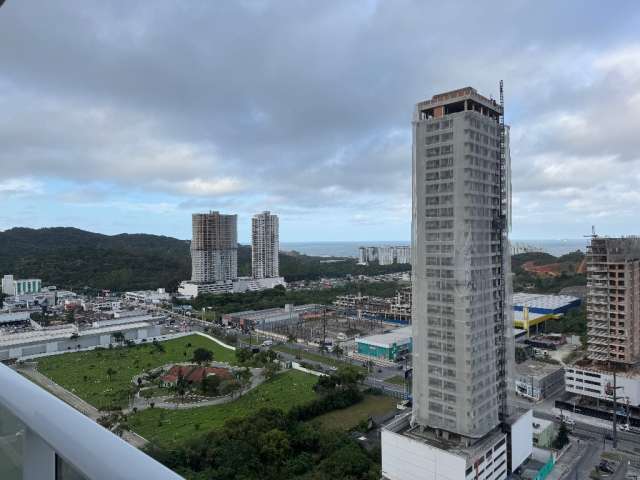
<point x="12" y="434"/>
<point x="66" y="471"/>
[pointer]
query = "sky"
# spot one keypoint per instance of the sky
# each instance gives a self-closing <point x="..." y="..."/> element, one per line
<point x="120" y="116"/>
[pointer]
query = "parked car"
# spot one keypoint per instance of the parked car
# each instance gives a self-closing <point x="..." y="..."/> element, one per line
<point x="606" y="467"/>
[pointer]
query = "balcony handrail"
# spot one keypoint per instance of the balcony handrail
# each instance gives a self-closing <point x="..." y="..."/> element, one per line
<point x="91" y="449"/>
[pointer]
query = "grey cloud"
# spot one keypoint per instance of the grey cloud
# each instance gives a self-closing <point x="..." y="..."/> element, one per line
<point x="305" y="104"/>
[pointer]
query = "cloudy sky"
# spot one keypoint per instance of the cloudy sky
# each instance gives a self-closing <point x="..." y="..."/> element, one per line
<point x="120" y="116"/>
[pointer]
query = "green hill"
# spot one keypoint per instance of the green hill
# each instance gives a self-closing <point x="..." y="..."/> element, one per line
<point x="74" y="258"/>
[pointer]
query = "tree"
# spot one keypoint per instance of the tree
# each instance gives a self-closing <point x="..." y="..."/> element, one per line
<point x="202" y="355"/>
<point x="110" y="373"/>
<point x="274" y="447"/>
<point x="118" y="337"/>
<point x="562" y="438"/>
<point x="158" y="346"/>
<point x="181" y="386"/>
<point x="230" y="387"/>
<point x="210" y="386"/>
<point x="270" y="370"/>
<point x="338" y="351"/>
<point x="243" y="355"/>
<point x="244" y="377"/>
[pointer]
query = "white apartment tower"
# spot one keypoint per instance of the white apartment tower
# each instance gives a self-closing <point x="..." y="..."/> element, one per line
<point x="461" y="260"/>
<point x="214" y="247"/>
<point x="265" y="245"/>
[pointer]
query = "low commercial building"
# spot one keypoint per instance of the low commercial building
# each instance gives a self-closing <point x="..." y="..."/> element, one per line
<point x="12" y="318"/>
<point x="271" y="318"/>
<point x="16" y="346"/>
<point x="531" y="323"/>
<point x="387" y="346"/>
<point x="153" y="297"/>
<point x="544" y="433"/>
<point x="538" y="380"/>
<point x="532" y="310"/>
<point x="189" y="289"/>
<point x="593" y="381"/>
<point x="11" y="286"/>
<point x="413" y="452"/>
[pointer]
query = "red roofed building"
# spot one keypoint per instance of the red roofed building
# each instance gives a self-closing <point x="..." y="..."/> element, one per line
<point x="193" y="374"/>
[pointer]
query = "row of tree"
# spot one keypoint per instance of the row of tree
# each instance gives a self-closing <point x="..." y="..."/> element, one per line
<point x="279" y="296"/>
<point x="272" y="444"/>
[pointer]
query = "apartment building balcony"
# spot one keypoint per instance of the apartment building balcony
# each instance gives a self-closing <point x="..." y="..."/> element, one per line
<point x="597" y="309"/>
<point x="595" y="341"/>
<point x="601" y="357"/>
<point x="597" y="332"/>
<point x="43" y="438"/>
<point x="598" y="322"/>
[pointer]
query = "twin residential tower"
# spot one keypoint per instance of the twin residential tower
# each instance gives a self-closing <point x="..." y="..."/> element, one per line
<point x="214" y="255"/>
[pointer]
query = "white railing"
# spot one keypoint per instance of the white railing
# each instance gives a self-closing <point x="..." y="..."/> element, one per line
<point x="54" y="429"/>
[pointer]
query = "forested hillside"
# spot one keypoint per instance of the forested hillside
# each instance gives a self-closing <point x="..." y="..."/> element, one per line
<point x="73" y="258"/>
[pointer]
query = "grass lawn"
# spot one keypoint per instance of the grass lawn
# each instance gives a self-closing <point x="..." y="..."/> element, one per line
<point x="85" y="373"/>
<point x="167" y="426"/>
<point x="327" y="360"/>
<point x="396" y="380"/>
<point x="348" y="418"/>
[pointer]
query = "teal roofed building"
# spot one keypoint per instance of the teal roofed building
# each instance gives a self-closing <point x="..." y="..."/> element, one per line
<point x="390" y="346"/>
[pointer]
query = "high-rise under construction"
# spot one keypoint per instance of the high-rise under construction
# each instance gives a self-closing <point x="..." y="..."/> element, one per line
<point x="613" y="301"/>
<point x="214" y="247"/>
<point x="461" y="262"/>
<point x="461" y="304"/>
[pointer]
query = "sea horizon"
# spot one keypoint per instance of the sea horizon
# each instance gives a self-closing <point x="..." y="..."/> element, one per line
<point x="349" y="248"/>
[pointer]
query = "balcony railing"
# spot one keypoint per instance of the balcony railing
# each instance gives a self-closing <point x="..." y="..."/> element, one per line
<point x="43" y="438"/>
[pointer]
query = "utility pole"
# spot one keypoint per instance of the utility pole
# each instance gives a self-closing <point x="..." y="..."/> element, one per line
<point x="615" y="412"/>
<point x="614" y="393"/>
<point x="324" y="328"/>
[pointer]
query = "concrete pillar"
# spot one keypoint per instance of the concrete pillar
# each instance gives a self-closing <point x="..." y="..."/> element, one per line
<point x="39" y="458"/>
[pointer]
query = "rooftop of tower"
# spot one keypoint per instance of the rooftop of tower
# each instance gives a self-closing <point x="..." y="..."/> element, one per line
<point x="459" y="100"/>
<point x="452" y="443"/>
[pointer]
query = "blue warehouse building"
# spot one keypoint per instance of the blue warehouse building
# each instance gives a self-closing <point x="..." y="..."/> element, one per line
<point x="544" y="304"/>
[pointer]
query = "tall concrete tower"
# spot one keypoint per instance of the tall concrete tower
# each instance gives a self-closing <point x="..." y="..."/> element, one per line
<point x="214" y="247"/>
<point x="463" y="353"/>
<point x="265" y="245"/>
<point x="461" y="263"/>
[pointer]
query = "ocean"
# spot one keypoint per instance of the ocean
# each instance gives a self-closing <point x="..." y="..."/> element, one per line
<point x="350" y="249"/>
